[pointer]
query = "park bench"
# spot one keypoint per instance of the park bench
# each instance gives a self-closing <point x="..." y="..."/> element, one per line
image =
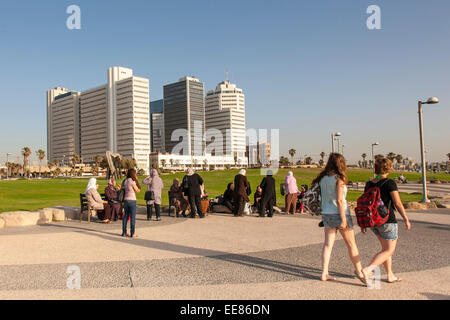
<point x="84" y="206"/>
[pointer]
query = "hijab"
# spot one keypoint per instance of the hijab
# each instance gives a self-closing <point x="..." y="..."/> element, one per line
<point x="243" y="172"/>
<point x="190" y="171"/>
<point x="91" y="184"/>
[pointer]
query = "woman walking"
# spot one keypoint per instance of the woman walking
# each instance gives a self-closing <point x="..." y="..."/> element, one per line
<point x="292" y="193"/>
<point x="336" y="214"/>
<point x="131" y="186"/>
<point x="240" y="196"/>
<point x="387" y="233"/>
<point x="154" y="184"/>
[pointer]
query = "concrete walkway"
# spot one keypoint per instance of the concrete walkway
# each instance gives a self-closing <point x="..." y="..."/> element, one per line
<point x="220" y="257"/>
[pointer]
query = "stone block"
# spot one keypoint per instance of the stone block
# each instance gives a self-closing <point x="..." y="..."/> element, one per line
<point x="20" y="218"/>
<point x="45" y="216"/>
<point x="220" y="209"/>
<point x="59" y="215"/>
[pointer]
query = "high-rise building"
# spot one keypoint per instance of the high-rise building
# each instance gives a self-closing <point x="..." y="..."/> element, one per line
<point x="225" y="111"/>
<point x="63" y="123"/>
<point x="157" y="126"/>
<point x="184" y="110"/>
<point x="113" y="117"/>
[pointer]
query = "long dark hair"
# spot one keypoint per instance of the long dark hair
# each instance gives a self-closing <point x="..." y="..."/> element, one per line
<point x="335" y="166"/>
<point x="131" y="174"/>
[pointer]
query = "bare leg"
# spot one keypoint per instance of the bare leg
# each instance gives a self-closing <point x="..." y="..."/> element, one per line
<point x="330" y="237"/>
<point x="383" y="257"/>
<point x="349" y="238"/>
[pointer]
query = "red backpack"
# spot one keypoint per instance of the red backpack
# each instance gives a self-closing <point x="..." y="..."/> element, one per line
<point x="370" y="209"/>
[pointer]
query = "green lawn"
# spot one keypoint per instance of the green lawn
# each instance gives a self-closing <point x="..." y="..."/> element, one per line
<point x="31" y="195"/>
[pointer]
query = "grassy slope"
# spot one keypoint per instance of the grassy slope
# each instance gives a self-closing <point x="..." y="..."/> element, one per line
<point x="36" y="194"/>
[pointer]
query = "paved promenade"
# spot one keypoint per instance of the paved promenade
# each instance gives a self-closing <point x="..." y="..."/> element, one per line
<point x="220" y="257"/>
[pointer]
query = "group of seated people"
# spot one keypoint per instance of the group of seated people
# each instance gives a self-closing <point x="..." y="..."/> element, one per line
<point x="228" y="201"/>
<point x="107" y="210"/>
<point x="181" y="204"/>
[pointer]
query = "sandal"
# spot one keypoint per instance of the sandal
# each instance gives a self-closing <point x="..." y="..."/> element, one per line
<point x="125" y="235"/>
<point x="362" y="279"/>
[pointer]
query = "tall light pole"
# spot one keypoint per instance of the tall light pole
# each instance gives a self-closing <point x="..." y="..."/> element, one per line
<point x="343" y="149"/>
<point x="7" y="166"/>
<point x="373" y="155"/>
<point x="333" y="135"/>
<point x="432" y="100"/>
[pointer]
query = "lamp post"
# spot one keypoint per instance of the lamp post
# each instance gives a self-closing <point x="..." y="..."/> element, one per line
<point x="432" y="100"/>
<point x="7" y="166"/>
<point x="373" y="156"/>
<point x="343" y="149"/>
<point x="333" y="135"/>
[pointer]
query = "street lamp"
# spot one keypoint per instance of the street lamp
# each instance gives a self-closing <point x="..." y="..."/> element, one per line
<point x="7" y="166"/>
<point x="373" y="156"/>
<point x="432" y="100"/>
<point x="333" y="135"/>
<point x="343" y="149"/>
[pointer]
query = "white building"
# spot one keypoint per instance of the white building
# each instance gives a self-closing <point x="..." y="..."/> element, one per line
<point x="182" y="162"/>
<point x="113" y="117"/>
<point x="225" y="111"/>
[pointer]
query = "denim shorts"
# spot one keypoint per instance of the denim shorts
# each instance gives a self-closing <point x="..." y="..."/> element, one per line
<point x="334" y="221"/>
<point x="387" y="231"/>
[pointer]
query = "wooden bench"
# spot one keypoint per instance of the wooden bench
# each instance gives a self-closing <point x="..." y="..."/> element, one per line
<point x="84" y="206"/>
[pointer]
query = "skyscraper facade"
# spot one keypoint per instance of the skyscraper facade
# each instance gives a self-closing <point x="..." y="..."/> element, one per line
<point x="113" y="117"/>
<point x="157" y="125"/>
<point x="63" y="124"/>
<point x="184" y="117"/>
<point x="225" y="111"/>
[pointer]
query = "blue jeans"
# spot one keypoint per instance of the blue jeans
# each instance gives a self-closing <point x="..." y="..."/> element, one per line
<point x="130" y="207"/>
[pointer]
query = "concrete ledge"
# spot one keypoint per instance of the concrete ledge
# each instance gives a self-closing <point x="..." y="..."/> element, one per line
<point x="2" y="223"/>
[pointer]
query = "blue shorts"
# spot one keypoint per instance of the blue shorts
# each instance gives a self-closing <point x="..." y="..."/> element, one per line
<point x="334" y="220"/>
<point x="387" y="231"/>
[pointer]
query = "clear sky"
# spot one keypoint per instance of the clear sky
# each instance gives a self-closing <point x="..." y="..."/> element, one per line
<point x="308" y="68"/>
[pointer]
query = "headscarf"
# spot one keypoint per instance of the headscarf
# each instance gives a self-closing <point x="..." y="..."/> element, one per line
<point x="111" y="182"/>
<point x="157" y="182"/>
<point x="243" y="172"/>
<point x="190" y="171"/>
<point x="176" y="182"/>
<point x="291" y="183"/>
<point x="154" y="173"/>
<point x="91" y="184"/>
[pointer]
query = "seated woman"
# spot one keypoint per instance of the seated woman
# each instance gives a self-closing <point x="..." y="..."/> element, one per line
<point x="111" y="196"/>
<point x="303" y="190"/>
<point x="257" y="198"/>
<point x="178" y="199"/>
<point x="204" y="199"/>
<point x="96" y="202"/>
<point x="228" y="197"/>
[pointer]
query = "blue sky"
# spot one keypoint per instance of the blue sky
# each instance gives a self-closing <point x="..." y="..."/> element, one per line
<point x="307" y="68"/>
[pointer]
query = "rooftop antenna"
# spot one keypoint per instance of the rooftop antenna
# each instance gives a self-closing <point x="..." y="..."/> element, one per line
<point x="227" y="75"/>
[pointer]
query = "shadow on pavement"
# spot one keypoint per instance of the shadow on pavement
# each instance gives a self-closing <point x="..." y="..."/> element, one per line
<point x="299" y="271"/>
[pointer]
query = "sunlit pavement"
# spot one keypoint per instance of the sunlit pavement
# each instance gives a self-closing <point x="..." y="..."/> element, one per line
<point x="220" y="257"/>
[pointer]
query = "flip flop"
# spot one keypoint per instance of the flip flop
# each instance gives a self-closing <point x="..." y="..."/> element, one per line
<point x="396" y="280"/>
<point x="362" y="279"/>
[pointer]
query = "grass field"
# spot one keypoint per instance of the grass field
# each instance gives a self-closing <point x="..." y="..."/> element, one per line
<point x="28" y="195"/>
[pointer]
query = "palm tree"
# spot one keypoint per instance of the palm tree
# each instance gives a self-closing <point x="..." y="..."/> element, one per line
<point x="26" y="152"/>
<point x="41" y="155"/>
<point x="308" y="160"/>
<point x="75" y="159"/>
<point x="391" y="156"/>
<point x="399" y="159"/>
<point x="363" y="156"/>
<point x="322" y="156"/>
<point x="292" y="154"/>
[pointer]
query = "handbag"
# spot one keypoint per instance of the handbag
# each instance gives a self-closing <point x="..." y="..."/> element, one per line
<point x="149" y="196"/>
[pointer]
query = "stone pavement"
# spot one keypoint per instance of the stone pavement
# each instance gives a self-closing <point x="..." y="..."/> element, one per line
<point x="220" y="257"/>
